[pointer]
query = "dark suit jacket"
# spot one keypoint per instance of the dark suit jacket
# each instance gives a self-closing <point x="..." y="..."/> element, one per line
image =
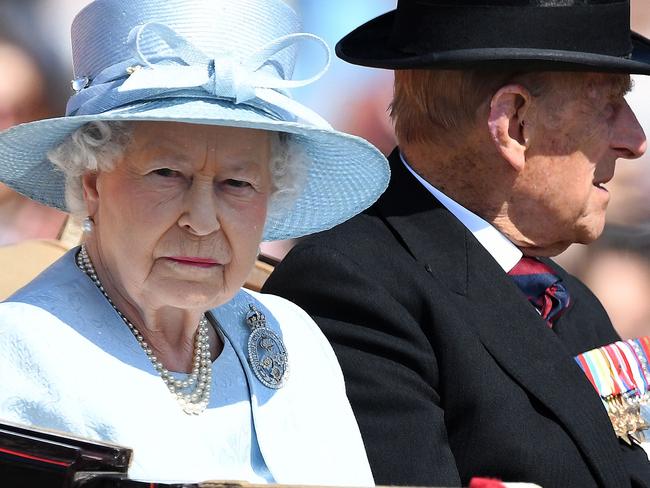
<point x="450" y="371"/>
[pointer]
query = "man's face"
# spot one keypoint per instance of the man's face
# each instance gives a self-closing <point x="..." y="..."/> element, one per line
<point x="581" y="126"/>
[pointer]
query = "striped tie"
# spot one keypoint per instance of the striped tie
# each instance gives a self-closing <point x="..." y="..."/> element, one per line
<point x="542" y="287"/>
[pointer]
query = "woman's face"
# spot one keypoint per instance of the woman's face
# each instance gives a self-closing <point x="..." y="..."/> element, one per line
<point x="179" y="220"/>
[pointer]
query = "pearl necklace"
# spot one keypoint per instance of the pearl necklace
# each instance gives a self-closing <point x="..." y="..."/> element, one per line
<point x="192" y="393"/>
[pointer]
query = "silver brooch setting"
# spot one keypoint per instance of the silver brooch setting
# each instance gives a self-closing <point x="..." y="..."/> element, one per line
<point x="266" y="352"/>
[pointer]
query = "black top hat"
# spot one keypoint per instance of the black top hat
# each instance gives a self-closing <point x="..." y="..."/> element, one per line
<point x="575" y="35"/>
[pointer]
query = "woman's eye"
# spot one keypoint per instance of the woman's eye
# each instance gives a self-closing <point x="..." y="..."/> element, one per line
<point x="237" y="183"/>
<point x="166" y="172"/>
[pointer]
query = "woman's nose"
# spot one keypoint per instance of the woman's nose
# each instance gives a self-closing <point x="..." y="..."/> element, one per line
<point x="200" y="214"/>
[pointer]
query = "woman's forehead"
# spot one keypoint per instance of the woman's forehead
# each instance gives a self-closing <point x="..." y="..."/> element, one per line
<point x="183" y="139"/>
<point x="194" y="148"/>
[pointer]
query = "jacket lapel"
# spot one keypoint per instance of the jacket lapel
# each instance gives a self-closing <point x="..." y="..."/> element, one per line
<point x="534" y="356"/>
<point x="507" y="325"/>
<point x="278" y="434"/>
<point x="427" y="230"/>
<point x="300" y="426"/>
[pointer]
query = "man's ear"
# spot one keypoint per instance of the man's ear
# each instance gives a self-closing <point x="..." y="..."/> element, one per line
<point x="91" y="196"/>
<point x="506" y="123"/>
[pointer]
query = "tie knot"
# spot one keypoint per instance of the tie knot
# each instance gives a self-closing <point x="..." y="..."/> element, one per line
<point x="528" y="265"/>
<point x="543" y="288"/>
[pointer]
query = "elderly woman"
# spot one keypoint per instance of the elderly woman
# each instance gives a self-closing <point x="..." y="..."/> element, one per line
<point x="182" y="152"/>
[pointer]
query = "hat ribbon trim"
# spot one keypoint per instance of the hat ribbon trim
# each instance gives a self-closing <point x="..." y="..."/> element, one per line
<point x="183" y="70"/>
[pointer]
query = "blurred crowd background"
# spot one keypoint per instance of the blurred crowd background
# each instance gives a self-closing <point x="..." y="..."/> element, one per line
<point x="35" y="74"/>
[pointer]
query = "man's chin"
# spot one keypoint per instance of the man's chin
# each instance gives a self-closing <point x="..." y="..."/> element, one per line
<point x="547" y="251"/>
<point x="541" y="247"/>
<point x="589" y="234"/>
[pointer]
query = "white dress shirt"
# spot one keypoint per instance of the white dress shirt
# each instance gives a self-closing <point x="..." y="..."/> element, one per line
<point x="500" y="248"/>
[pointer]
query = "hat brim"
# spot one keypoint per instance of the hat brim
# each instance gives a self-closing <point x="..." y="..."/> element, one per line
<point x="369" y="45"/>
<point x="346" y="173"/>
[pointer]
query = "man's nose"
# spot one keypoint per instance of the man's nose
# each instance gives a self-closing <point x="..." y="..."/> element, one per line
<point x="628" y="138"/>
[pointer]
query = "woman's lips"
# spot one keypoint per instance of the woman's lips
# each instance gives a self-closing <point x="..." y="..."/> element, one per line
<point x="194" y="261"/>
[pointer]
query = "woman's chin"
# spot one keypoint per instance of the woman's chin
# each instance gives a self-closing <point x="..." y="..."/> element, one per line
<point x="177" y="269"/>
<point x="193" y="295"/>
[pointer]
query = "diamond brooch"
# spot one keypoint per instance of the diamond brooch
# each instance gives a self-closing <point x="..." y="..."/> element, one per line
<point x="266" y="352"/>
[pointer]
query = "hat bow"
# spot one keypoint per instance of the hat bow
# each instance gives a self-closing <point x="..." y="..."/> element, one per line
<point x="183" y="70"/>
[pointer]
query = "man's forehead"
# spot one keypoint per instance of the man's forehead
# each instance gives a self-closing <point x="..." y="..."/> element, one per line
<point x="578" y="84"/>
<point x="614" y="84"/>
<point x="625" y="84"/>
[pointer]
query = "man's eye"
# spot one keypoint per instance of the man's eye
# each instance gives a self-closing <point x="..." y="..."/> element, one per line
<point x="166" y="172"/>
<point x="237" y="183"/>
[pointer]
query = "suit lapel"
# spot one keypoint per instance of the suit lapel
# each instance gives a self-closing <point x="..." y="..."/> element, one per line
<point x="426" y="229"/>
<point x="534" y="356"/>
<point x="507" y="325"/>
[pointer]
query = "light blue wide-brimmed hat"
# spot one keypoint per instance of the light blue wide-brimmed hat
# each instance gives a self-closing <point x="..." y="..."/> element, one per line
<point x="214" y="62"/>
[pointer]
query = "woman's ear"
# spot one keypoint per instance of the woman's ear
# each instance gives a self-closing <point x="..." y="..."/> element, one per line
<point x="506" y="123"/>
<point x="91" y="196"/>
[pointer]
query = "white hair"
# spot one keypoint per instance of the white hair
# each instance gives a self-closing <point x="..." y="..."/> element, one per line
<point x="98" y="146"/>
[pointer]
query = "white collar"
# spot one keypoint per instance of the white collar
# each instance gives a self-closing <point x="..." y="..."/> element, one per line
<point x="500" y="248"/>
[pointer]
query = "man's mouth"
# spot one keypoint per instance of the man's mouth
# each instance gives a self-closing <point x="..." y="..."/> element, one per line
<point x="600" y="183"/>
<point x="600" y="186"/>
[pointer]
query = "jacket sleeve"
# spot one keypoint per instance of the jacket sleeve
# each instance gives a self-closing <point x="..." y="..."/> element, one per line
<point x="387" y="360"/>
<point x="27" y="394"/>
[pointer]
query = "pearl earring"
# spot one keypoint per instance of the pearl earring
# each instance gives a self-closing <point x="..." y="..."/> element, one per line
<point x="88" y="225"/>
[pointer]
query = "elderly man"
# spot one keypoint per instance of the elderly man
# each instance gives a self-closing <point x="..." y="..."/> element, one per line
<point x="510" y="118"/>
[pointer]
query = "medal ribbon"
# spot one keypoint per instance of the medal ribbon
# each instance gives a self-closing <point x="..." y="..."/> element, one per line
<point x="634" y="366"/>
<point x="619" y="374"/>
<point x="619" y="370"/>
